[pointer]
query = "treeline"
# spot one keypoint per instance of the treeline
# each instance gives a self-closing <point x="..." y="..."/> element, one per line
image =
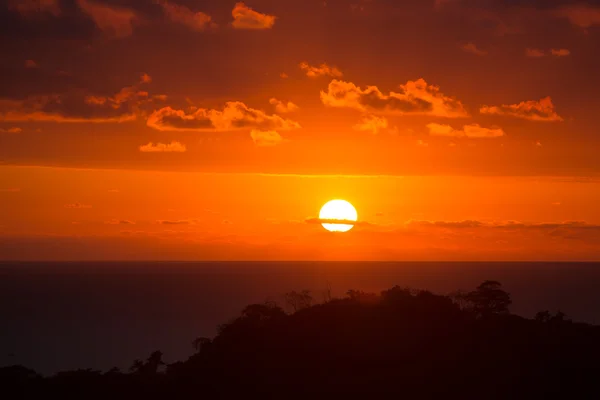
<point x="400" y="342"/>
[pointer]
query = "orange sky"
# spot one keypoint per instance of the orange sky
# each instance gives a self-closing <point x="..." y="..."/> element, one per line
<point x="200" y="130"/>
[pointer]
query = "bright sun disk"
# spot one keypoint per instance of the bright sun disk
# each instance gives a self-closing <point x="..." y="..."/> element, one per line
<point x="338" y="210"/>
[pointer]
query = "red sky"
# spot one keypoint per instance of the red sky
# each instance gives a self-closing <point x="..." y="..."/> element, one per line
<point x="459" y="129"/>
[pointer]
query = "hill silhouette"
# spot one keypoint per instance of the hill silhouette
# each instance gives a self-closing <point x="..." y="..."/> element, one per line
<point x="400" y="343"/>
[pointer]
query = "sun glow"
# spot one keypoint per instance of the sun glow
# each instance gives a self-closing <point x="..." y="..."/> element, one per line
<point x="338" y="210"/>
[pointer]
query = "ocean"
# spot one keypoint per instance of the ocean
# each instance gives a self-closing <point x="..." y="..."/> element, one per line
<point x="57" y="316"/>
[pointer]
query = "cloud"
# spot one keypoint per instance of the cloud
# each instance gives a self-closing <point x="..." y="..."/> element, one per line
<point x="322" y="70"/>
<point x="472" y="48"/>
<point x="235" y="116"/>
<point x="145" y="78"/>
<point x="29" y="8"/>
<point x="10" y="190"/>
<point x="119" y="222"/>
<point x="372" y="124"/>
<point x="572" y="230"/>
<point x="11" y="130"/>
<point x="79" y="107"/>
<point x="173" y="147"/>
<point x="111" y="20"/>
<point x="74" y="108"/>
<point x="560" y="52"/>
<point x="246" y="18"/>
<point x="422" y="143"/>
<point x="581" y="15"/>
<point x="469" y="131"/>
<point x="195" y="20"/>
<point x="283" y="75"/>
<point x="336" y="221"/>
<point x="282" y="107"/>
<point x="414" y="97"/>
<point x="542" y="110"/>
<point x="31" y="64"/>
<point x="177" y="222"/>
<point x="265" y="138"/>
<point x="78" y="206"/>
<point x="534" y="53"/>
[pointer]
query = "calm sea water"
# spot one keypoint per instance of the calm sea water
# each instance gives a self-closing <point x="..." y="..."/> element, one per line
<point x="58" y="316"/>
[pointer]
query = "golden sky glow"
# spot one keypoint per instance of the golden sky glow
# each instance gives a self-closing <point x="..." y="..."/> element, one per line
<point x="181" y="129"/>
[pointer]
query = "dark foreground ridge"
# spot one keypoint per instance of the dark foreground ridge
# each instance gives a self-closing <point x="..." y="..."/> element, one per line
<point x="402" y="343"/>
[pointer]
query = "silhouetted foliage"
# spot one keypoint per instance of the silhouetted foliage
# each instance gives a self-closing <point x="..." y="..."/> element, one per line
<point x="401" y="343"/>
<point x="489" y="298"/>
<point x="298" y="300"/>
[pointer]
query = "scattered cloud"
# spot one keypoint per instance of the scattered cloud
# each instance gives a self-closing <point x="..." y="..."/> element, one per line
<point x="321" y="70"/>
<point x="283" y="75"/>
<point x="534" y="53"/>
<point x="77" y="106"/>
<point x="11" y="130"/>
<point x="414" y="97"/>
<point x="538" y="143"/>
<point x="176" y="222"/>
<point x="31" y="64"/>
<point x="560" y="52"/>
<point x="337" y="222"/>
<point x="372" y="124"/>
<point x="542" y="110"/>
<point x="265" y="138"/>
<point x="173" y="147"/>
<point x="246" y="18"/>
<point x="472" y="48"/>
<point x="422" y="143"/>
<point x="10" y="190"/>
<point x="78" y="206"/>
<point x="119" y="222"/>
<point x="469" y="131"/>
<point x="581" y="15"/>
<point x="145" y="78"/>
<point x="282" y="107"/>
<point x="538" y="53"/>
<point x="32" y="7"/>
<point x="195" y="20"/>
<point x="113" y="21"/>
<point x="235" y="116"/>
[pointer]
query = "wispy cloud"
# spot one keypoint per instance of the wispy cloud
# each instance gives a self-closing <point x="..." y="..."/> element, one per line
<point x="265" y="138"/>
<point x="112" y="20"/>
<point x="173" y="147"/>
<point x="541" y="110"/>
<point x="473" y="49"/>
<point x="560" y="52"/>
<point x="534" y="53"/>
<point x="195" y="20"/>
<point x="414" y="97"/>
<point x="235" y="116"/>
<point x="474" y="131"/>
<point x="372" y="124"/>
<point x="11" y="130"/>
<point x="245" y="17"/>
<point x="320" y="70"/>
<point x="283" y="107"/>
<point x="78" y="206"/>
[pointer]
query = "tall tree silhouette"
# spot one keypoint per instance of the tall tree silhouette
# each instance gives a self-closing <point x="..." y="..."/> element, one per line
<point x="489" y="299"/>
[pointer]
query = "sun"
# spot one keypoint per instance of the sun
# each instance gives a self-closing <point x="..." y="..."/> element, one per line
<point x="338" y="210"/>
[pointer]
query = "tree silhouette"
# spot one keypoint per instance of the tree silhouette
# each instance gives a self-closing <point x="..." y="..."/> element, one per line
<point x="489" y="299"/>
<point x="366" y="345"/>
<point x="200" y="342"/>
<point x="298" y="300"/>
